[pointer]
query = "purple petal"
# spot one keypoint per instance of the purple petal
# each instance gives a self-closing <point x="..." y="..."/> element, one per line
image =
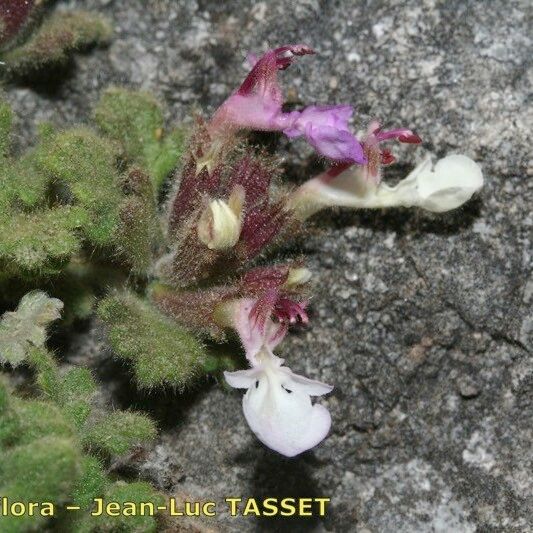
<point x="335" y="144"/>
<point x="336" y="116"/>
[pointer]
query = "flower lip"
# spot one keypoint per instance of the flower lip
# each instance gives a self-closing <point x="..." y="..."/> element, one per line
<point x="257" y="105"/>
<point x="451" y="183"/>
<point x="448" y="185"/>
<point x="326" y="129"/>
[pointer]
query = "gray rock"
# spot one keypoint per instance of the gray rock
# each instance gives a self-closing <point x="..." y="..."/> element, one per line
<point x="410" y="310"/>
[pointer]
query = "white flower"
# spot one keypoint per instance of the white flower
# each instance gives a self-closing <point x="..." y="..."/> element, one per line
<point x="449" y="185"/>
<point x="219" y="226"/>
<point x="277" y="404"/>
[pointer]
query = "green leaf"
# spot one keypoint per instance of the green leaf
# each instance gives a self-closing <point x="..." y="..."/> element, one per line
<point x="27" y="185"/>
<point x="9" y="420"/>
<point x="26" y="327"/>
<point x="71" y="392"/>
<point x="119" y="432"/>
<point x="40" y="419"/>
<point x="6" y="122"/>
<point x="45" y="470"/>
<point x="59" y="36"/>
<point x="39" y="243"/>
<point x="121" y="492"/>
<point x="85" y="165"/>
<point x="91" y="483"/>
<point x="162" y="352"/>
<point x="135" y="119"/>
<point x="139" y="231"/>
<point x="163" y="157"/>
<point x="77" y="388"/>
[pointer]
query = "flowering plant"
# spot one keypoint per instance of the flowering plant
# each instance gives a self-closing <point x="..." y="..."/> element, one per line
<point x="197" y="267"/>
<point x="224" y="213"/>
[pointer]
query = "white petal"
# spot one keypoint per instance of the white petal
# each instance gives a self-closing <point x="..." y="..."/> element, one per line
<point x="453" y="182"/>
<point x="219" y="227"/>
<point x="242" y="379"/>
<point x="308" y="386"/>
<point x="286" y="422"/>
<point x="348" y="189"/>
<point x="449" y="185"/>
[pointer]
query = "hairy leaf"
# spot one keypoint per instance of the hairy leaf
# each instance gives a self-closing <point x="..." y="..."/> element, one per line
<point x="119" y="432"/>
<point x="162" y="351"/>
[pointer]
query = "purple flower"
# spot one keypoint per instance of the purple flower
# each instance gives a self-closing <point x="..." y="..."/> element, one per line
<point x="257" y="105"/>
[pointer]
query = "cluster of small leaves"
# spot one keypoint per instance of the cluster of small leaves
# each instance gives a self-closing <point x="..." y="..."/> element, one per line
<point x="135" y="120"/>
<point x="78" y="190"/>
<point x="51" y="43"/>
<point x="82" y="206"/>
<point x="55" y="448"/>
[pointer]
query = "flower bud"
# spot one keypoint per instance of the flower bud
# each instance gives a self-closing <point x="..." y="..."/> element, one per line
<point x="297" y="277"/>
<point x="219" y="227"/>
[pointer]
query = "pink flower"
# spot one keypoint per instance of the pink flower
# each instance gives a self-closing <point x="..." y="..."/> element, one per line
<point x="277" y="404"/>
<point x="257" y="105"/>
<point x="377" y="156"/>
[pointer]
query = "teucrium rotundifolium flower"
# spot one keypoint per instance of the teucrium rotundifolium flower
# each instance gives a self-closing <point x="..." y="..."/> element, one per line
<point x="277" y="404"/>
<point x="451" y="183"/>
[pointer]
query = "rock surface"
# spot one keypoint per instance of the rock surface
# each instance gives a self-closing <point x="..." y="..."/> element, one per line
<point x="423" y="323"/>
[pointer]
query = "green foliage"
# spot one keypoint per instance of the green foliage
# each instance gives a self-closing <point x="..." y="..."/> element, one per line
<point x="72" y="392"/>
<point x="9" y="421"/>
<point x="86" y="165"/>
<point x="135" y="120"/>
<point x="77" y="388"/>
<point x="131" y="117"/>
<point x="41" y="456"/>
<point x="120" y="431"/>
<point x="122" y="493"/>
<point x="55" y="41"/>
<point x="6" y="121"/>
<point x="71" y="191"/>
<point x="161" y="351"/>
<point x="38" y="419"/>
<point x="163" y="157"/>
<point x="46" y="443"/>
<point x="25" y="328"/>
<point x="23" y="184"/>
<point x="44" y="470"/>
